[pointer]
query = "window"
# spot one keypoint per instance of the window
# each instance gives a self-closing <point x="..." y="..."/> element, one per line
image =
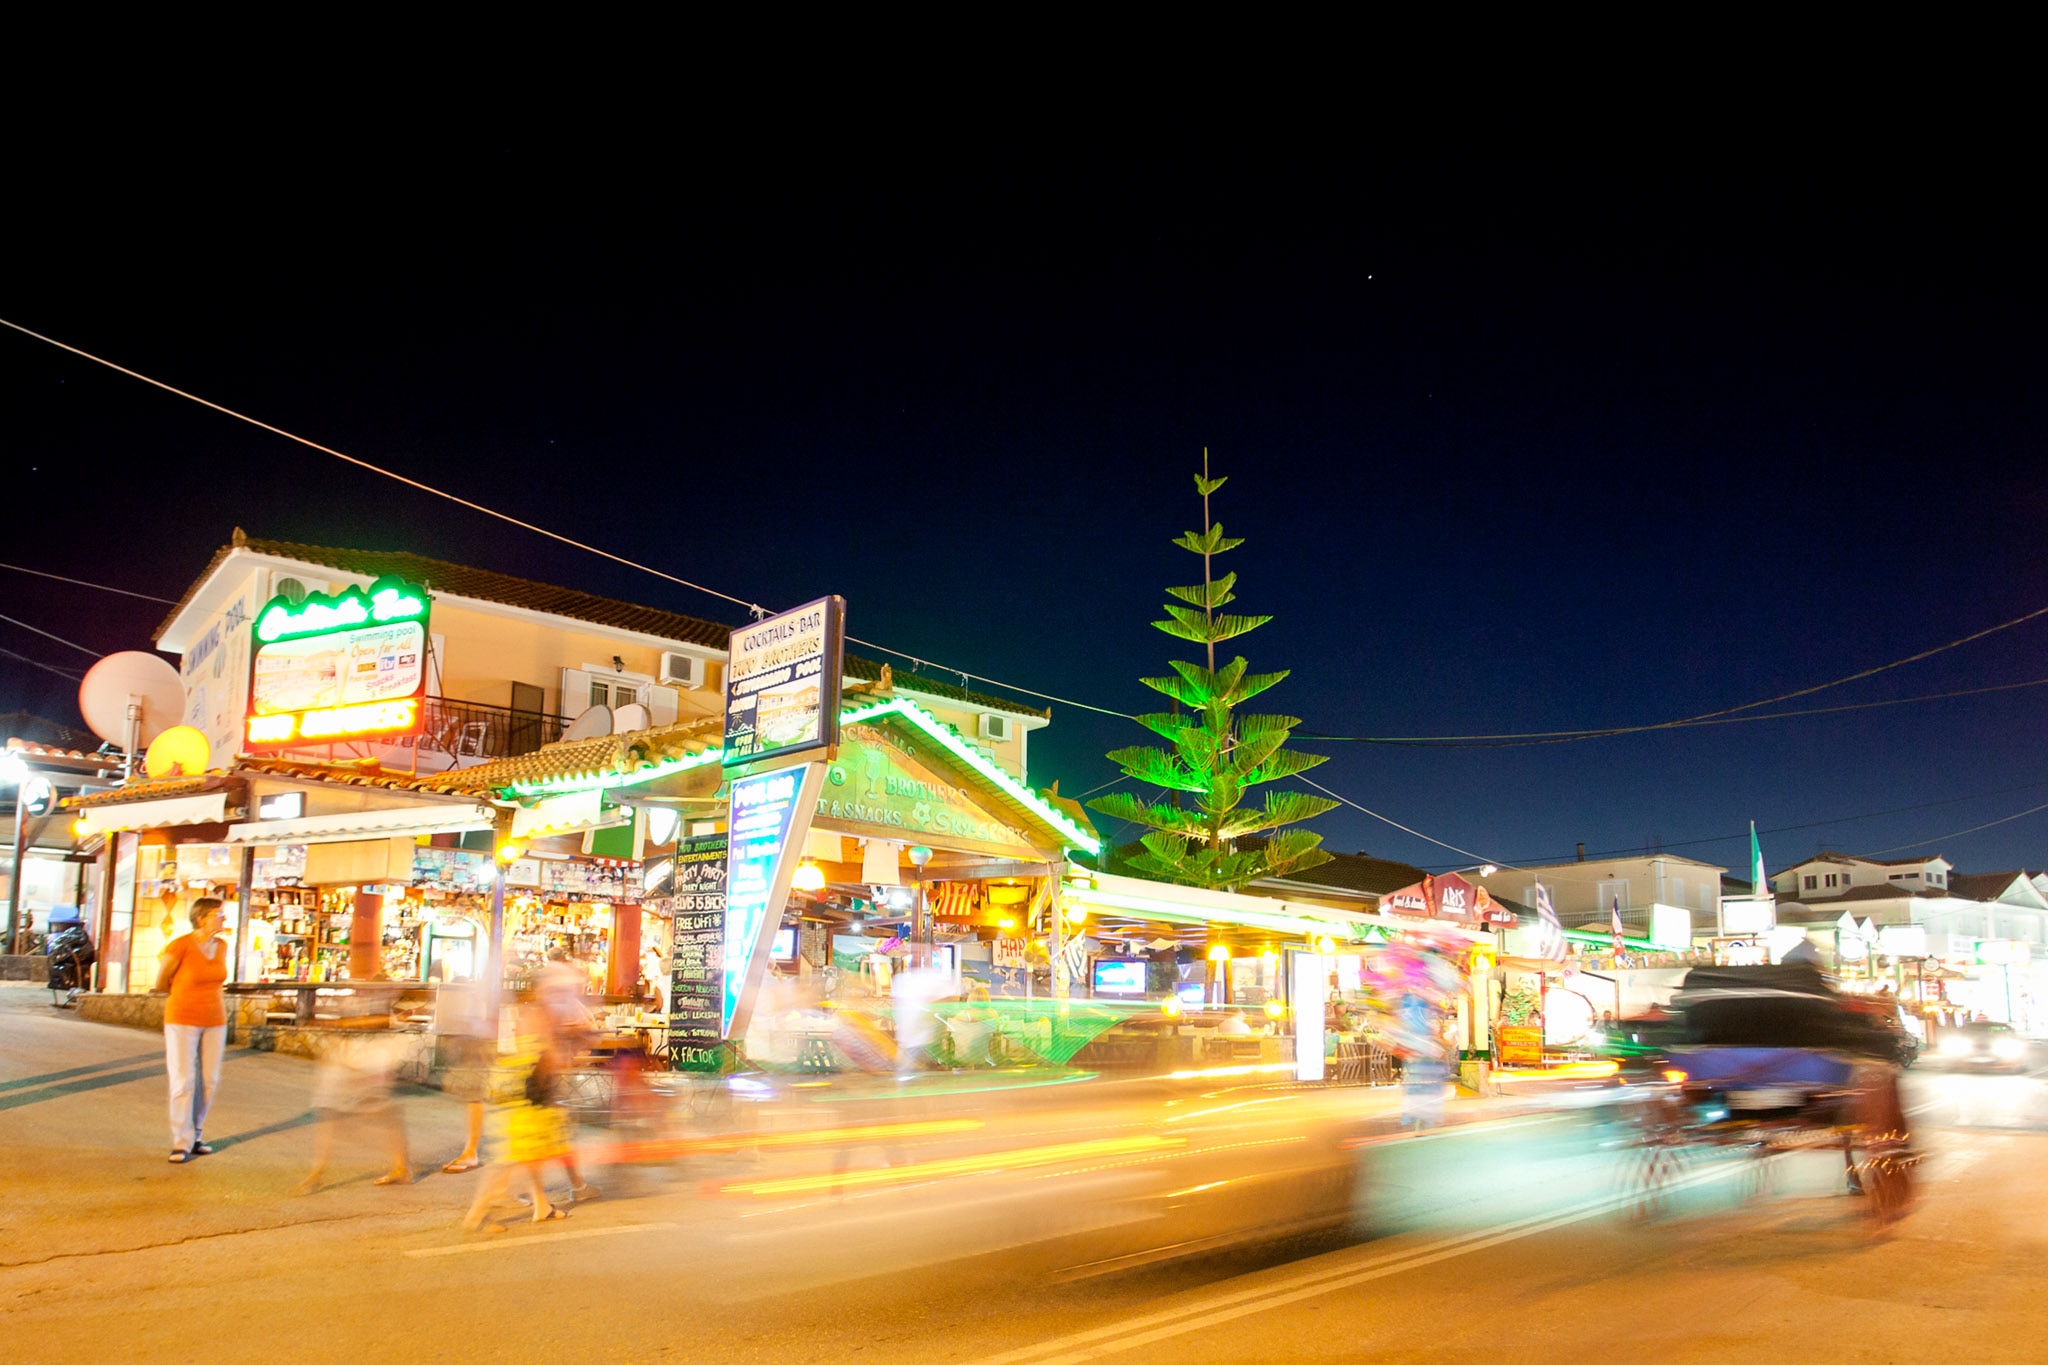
<point x="605" y="692"/>
<point x="1613" y="891"/>
<point x="1831" y="879"/>
<point x="1811" y="881"/>
<point x="1896" y="877"/>
<point x="1912" y="876"/>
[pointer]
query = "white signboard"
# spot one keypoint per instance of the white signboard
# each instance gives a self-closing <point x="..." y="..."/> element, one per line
<point x="1902" y="940"/>
<point x="1671" y="927"/>
<point x="782" y="682"/>
<point x="1748" y="916"/>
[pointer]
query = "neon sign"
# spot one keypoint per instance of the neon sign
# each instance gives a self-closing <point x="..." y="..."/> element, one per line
<point x="337" y="722"/>
<point x="388" y="599"/>
<point x="345" y="666"/>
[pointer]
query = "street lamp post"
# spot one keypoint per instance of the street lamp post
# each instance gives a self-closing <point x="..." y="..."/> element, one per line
<point x="921" y="919"/>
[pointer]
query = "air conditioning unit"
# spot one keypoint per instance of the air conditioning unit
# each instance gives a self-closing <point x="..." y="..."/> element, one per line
<point x="997" y="728"/>
<point x="682" y="670"/>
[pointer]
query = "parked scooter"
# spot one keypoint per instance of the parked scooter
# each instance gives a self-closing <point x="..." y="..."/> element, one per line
<point x="71" y="957"/>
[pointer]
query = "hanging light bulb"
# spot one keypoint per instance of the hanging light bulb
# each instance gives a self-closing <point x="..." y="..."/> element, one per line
<point x="809" y="877"/>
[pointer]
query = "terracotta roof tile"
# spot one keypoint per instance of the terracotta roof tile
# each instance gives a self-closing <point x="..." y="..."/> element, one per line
<point x="588" y="758"/>
<point x="148" y="790"/>
<point x="484" y="585"/>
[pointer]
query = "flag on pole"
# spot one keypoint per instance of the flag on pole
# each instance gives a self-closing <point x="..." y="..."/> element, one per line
<point x="1614" y="923"/>
<point x="1759" y="886"/>
<point x="1549" y="932"/>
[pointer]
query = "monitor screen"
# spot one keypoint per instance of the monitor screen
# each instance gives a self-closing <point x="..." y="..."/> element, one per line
<point x="785" y="944"/>
<point x="1119" y="976"/>
<point x="1191" y="992"/>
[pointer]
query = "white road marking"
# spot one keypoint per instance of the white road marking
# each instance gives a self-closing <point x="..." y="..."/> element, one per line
<point x="543" y="1239"/>
<point x="1162" y="1326"/>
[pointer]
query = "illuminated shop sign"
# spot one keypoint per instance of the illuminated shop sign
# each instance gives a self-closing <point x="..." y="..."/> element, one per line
<point x="387" y="599"/>
<point x="343" y="667"/>
<point x="782" y="682"/>
<point x="770" y="814"/>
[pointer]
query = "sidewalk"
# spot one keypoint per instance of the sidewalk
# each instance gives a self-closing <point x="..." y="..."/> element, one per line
<point x="83" y="1127"/>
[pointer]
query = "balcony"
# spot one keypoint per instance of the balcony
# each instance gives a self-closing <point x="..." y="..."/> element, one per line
<point x="455" y="734"/>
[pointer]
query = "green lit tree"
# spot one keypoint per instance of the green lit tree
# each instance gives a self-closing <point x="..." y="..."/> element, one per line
<point x="1211" y="838"/>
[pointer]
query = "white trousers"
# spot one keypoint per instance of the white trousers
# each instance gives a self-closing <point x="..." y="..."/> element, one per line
<point x="192" y="1055"/>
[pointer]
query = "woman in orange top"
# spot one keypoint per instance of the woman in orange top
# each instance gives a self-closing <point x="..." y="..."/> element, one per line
<point x="193" y="969"/>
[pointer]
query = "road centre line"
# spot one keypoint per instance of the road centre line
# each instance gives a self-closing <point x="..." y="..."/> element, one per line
<point x="543" y="1239"/>
<point x="1117" y="1338"/>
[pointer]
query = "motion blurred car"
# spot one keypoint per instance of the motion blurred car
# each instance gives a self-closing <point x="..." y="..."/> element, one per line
<point x="1983" y="1046"/>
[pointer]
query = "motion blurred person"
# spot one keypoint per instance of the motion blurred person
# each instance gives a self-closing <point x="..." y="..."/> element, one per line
<point x="352" y="1086"/>
<point x="912" y="993"/>
<point x="527" y="1131"/>
<point x="564" y="1029"/>
<point x="193" y="971"/>
<point x="466" y="1037"/>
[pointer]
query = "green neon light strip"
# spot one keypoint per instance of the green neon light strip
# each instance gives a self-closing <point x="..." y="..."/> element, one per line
<point x="909" y="710"/>
<point x="959" y="748"/>
<point x="1177" y="913"/>
<point x="1640" y="945"/>
<point x="583" y="782"/>
<point x="388" y="600"/>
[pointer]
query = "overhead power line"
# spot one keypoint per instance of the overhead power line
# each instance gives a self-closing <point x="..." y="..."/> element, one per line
<point x="103" y="587"/>
<point x="1741" y="835"/>
<point x="1339" y="796"/>
<point x="1725" y="716"/>
<point x="47" y="668"/>
<point x="754" y="608"/>
<point x="1957" y="834"/>
<point x="73" y="644"/>
<point x="1534" y="737"/>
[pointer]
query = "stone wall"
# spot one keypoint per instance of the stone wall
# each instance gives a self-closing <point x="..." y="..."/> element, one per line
<point x="24" y="967"/>
<point x="246" y="1013"/>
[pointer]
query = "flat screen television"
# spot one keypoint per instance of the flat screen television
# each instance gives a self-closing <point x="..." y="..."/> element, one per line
<point x="1119" y="976"/>
<point x="784" y="947"/>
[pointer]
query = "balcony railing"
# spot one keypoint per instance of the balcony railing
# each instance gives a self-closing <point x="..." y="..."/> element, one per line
<point x="462" y="734"/>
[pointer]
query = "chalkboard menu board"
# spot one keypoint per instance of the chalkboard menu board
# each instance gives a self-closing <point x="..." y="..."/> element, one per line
<point x="696" y="973"/>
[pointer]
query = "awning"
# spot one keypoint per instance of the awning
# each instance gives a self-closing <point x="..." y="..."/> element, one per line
<point x="204" y="809"/>
<point x="1106" y="893"/>
<point x="566" y="815"/>
<point x="365" y="824"/>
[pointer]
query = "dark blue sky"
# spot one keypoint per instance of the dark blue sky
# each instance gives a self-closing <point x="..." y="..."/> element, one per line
<point x="1512" y="451"/>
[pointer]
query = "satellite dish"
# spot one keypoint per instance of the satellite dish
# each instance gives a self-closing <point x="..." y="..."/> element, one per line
<point x="631" y="716"/>
<point x="131" y="676"/>
<point x="180" y="751"/>
<point x="591" y="724"/>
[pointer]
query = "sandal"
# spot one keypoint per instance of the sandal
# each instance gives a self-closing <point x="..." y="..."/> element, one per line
<point x="550" y="1216"/>
<point x="460" y="1165"/>
<point x="179" y="1158"/>
<point x="201" y="1149"/>
<point x="394" y="1178"/>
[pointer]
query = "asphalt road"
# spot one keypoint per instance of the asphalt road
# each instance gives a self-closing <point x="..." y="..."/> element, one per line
<point x="1227" y="1218"/>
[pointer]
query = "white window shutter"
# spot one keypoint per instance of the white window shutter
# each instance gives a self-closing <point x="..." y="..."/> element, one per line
<point x="575" y="693"/>
<point x="661" y="705"/>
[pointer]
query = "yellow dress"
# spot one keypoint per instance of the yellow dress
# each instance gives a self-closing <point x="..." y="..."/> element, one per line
<point x="529" y="1132"/>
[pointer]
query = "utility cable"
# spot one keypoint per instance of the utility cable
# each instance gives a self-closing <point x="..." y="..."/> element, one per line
<point x="1405" y="829"/>
<point x="754" y="608"/>
<point x="47" y="668"/>
<point x="1783" y="829"/>
<point x="1725" y="716"/>
<point x="58" y="638"/>
<point x="387" y="473"/>
<point x="1556" y="736"/>
<point x="1957" y="834"/>
<point x="146" y="596"/>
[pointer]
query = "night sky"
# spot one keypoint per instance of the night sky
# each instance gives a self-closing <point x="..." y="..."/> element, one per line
<point x="1513" y="452"/>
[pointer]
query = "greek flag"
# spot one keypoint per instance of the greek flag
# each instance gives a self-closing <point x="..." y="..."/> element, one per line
<point x="1550" y="940"/>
